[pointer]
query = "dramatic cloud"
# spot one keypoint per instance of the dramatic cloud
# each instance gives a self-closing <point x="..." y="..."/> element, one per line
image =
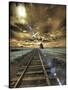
<point x="38" y="23"/>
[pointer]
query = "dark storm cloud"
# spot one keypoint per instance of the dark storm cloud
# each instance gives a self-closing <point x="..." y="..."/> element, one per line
<point x="49" y="19"/>
<point x="14" y="28"/>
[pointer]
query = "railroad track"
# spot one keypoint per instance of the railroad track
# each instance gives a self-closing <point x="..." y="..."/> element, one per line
<point x="32" y="71"/>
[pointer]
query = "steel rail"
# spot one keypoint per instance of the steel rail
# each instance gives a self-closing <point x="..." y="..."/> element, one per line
<point x="45" y="72"/>
<point x="21" y="76"/>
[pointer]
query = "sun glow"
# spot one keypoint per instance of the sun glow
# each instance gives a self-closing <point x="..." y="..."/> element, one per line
<point x="21" y="11"/>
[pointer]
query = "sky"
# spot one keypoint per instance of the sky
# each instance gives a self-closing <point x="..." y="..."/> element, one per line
<point x="32" y="24"/>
